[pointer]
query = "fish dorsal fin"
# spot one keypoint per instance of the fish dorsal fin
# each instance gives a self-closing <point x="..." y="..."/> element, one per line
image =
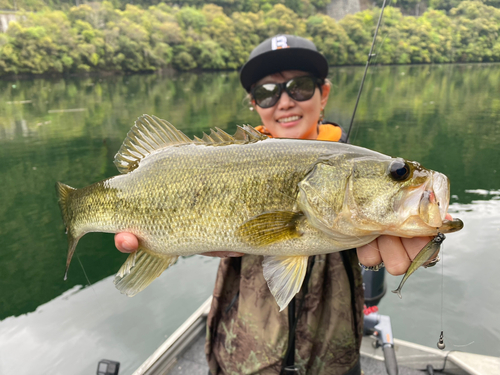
<point x="247" y="134"/>
<point x="218" y="137"/>
<point x="147" y="135"/>
<point x="151" y="133"/>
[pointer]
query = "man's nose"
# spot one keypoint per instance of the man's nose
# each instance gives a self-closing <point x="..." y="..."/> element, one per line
<point x="285" y="101"/>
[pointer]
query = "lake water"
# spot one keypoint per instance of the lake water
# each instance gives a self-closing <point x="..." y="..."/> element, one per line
<point x="445" y="116"/>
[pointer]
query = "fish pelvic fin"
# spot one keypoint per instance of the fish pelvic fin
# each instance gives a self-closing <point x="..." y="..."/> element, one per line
<point x="64" y="193"/>
<point x="284" y="276"/>
<point x="271" y="227"/>
<point x="139" y="270"/>
<point x="151" y="133"/>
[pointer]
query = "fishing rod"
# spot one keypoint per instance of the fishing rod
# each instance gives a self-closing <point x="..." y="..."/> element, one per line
<point x="370" y="55"/>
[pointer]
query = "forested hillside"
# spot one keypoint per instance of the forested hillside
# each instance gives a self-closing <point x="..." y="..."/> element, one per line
<point x="119" y="37"/>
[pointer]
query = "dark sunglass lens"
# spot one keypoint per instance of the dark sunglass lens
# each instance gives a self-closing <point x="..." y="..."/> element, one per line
<point x="301" y="88"/>
<point x="266" y="95"/>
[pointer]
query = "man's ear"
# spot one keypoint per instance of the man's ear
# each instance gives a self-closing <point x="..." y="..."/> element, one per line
<point x="325" y="92"/>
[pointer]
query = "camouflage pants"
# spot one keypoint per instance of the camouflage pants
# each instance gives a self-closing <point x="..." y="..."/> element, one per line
<point x="247" y="334"/>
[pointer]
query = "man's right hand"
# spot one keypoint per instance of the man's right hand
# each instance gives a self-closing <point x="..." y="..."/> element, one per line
<point x="126" y="242"/>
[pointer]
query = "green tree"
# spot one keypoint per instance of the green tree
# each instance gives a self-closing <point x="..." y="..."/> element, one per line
<point x="330" y="38"/>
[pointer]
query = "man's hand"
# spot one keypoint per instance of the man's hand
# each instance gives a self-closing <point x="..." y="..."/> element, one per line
<point x="126" y="242"/>
<point x="396" y="252"/>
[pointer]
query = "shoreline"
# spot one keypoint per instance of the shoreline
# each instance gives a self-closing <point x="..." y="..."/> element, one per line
<point x="170" y="71"/>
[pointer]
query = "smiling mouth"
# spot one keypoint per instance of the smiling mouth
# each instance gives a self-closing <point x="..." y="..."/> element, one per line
<point x="289" y="119"/>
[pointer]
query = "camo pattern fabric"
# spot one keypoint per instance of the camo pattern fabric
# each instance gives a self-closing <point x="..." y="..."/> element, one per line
<point x="247" y="334"/>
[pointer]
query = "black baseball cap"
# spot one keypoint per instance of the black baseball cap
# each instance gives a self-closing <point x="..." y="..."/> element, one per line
<point x="283" y="52"/>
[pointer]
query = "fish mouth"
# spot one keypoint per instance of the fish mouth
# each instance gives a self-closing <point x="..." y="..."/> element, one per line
<point x="427" y="202"/>
<point x="434" y="200"/>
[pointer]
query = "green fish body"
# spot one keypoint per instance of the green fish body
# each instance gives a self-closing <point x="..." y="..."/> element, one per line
<point x="285" y="199"/>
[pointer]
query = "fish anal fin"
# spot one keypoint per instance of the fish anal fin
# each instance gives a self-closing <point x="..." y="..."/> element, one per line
<point x="270" y="227"/>
<point x="284" y="276"/>
<point x="139" y="270"/>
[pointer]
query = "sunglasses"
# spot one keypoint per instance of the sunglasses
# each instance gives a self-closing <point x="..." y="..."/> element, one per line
<point x="299" y="89"/>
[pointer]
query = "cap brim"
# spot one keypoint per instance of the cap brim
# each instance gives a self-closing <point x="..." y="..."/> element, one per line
<point x="283" y="59"/>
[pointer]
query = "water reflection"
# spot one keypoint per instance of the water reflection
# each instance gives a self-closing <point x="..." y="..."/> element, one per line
<point x="445" y="116"/>
<point x="73" y="332"/>
<point x="464" y="284"/>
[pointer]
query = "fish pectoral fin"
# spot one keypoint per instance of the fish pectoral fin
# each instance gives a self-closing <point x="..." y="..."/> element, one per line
<point x="139" y="270"/>
<point x="284" y="276"/>
<point x="271" y="227"/>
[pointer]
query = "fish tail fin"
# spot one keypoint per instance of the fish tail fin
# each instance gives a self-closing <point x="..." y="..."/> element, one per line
<point x="72" y="242"/>
<point x="398" y="292"/>
<point x="64" y="193"/>
<point x="139" y="270"/>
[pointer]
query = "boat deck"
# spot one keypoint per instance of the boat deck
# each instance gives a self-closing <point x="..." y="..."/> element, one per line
<point x="183" y="354"/>
<point x="193" y="362"/>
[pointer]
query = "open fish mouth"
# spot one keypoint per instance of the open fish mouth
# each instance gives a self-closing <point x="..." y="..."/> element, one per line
<point x="434" y="200"/>
<point x="427" y="203"/>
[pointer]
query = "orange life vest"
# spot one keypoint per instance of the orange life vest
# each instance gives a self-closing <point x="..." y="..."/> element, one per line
<point x="327" y="132"/>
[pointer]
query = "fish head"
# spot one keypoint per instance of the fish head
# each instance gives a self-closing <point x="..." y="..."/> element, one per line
<point x="375" y="195"/>
<point x="423" y="197"/>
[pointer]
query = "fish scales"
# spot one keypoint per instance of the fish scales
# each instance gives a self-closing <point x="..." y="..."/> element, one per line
<point x="191" y="198"/>
<point x="285" y="199"/>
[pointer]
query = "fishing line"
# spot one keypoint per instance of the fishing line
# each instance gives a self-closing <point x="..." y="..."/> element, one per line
<point x="88" y="281"/>
<point x="383" y="40"/>
<point x="440" y="343"/>
<point x="370" y="55"/>
<point x="461" y="346"/>
<point x="85" y="273"/>
<point x="442" y="285"/>
<point x="375" y="60"/>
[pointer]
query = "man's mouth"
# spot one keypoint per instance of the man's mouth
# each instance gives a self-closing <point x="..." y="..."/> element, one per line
<point x="289" y="119"/>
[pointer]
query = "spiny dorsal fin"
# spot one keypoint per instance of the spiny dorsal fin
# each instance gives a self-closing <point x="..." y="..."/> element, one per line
<point x="218" y="137"/>
<point x="147" y="135"/>
<point x="151" y="133"/>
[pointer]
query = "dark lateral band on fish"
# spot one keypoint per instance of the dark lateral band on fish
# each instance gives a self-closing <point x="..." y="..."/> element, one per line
<point x="424" y="256"/>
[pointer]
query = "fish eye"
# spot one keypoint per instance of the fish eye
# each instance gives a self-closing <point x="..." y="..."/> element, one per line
<point x="399" y="170"/>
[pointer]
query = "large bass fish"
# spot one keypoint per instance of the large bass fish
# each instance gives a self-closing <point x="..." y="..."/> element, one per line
<point x="285" y="199"/>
